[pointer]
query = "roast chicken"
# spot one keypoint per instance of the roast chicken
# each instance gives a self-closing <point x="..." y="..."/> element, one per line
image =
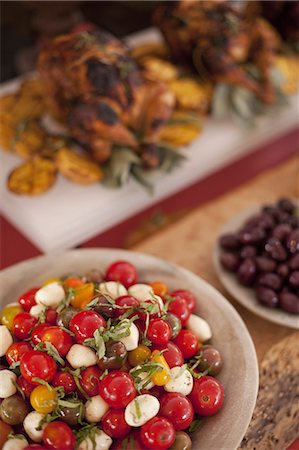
<point x="219" y="38"/>
<point x="99" y="91"/>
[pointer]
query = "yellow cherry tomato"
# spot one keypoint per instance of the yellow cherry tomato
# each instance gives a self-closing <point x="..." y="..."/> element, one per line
<point x="43" y="400"/>
<point x="159" y="288"/>
<point x="83" y="295"/>
<point x="138" y="355"/>
<point x="51" y="280"/>
<point x="9" y="313"/>
<point x="162" y="377"/>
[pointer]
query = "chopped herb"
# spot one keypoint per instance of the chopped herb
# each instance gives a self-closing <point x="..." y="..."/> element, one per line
<point x="137" y="407"/>
<point x="88" y="432"/>
<point x="49" y="348"/>
<point x="195" y="425"/>
<point x="12" y="435"/>
<point x="104" y="374"/>
<point x="66" y="301"/>
<point x="19" y="389"/>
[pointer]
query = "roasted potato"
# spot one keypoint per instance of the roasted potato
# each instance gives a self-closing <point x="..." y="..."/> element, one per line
<point x="76" y="167"/>
<point x="191" y="95"/>
<point x="7" y="135"/>
<point x="181" y="129"/>
<point x="29" y="140"/>
<point x="289" y="68"/>
<point x="156" y="69"/>
<point x="34" y="177"/>
<point x="149" y="49"/>
<point x="32" y="87"/>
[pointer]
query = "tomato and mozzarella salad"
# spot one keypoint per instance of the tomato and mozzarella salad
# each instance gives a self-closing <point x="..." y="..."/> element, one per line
<point x="105" y="360"/>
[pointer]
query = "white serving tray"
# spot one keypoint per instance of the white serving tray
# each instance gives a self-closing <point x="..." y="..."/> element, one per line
<point x="69" y="213"/>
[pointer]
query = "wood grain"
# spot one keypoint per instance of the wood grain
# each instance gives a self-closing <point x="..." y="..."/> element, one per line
<point x="189" y="242"/>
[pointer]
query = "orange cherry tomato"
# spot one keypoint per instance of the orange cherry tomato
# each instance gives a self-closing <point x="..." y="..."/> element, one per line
<point x="159" y="288"/>
<point x="138" y="355"/>
<point x="43" y="400"/>
<point x="83" y="295"/>
<point x="74" y="283"/>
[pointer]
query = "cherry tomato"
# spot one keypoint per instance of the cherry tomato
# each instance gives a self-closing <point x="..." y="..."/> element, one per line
<point x="172" y="355"/>
<point x="122" y="271"/>
<point x="159" y="331"/>
<point x="207" y="396"/>
<point x="138" y="355"/>
<point x="113" y="423"/>
<point x="90" y="380"/>
<point x="179" y="307"/>
<point x="186" y="295"/>
<point x="8" y="314"/>
<point x="36" y="364"/>
<point x="34" y="447"/>
<point x="59" y="338"/>
<point x="178" y="409"/>
<point x="127" y="302"/>
<point x="162" y="377"/>
<point x="187" y="343"/>
<point x="25" y="386"/>
<point x="117" y="389"/>
<point x="66" y="380"/>
<point x="58" y="435"/>
<point x="5" y="429"/>
<point x="157" y="433"/>
<point x="82" y="295"/>
<point x="85" y="323"/>
<point x="159" y="288"/>
<point x="23" y="323"/>
<point x="27" y="300"/>
<point x="51" y="316"/>
<point x="43" y="400"/>
<point x="16" y="350"/>
<point x="74" y="282"/>
<point x="37" y="332"/>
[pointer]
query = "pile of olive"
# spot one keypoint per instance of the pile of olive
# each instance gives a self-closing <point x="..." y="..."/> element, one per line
<point x="264" y="254"/>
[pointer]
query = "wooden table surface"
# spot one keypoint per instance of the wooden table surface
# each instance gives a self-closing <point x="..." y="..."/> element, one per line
<point x="189" y="242"/>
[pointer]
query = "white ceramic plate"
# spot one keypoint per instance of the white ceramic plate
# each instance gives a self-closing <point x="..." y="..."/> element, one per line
<point x="239" y="375"/>
<point x="242" y="294"/>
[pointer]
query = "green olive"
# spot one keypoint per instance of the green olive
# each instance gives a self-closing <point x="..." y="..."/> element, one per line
<point x="115" y="356"/>
<point x="13" y="410"/>
<point x="64" y="318"/>
<point x="72" y="415"/>
<point x="210" y="360"/>
<point x="174" y="323"/>
<point x="103" y="307"/>
<point x="182" y="441"/>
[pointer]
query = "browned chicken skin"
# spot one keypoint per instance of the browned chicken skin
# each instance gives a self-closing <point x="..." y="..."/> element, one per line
<point x="219" y="36"/>
<point x="94" y="86"/>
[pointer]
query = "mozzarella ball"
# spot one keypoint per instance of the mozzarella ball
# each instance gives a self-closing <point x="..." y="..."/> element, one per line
<point x="50" y="295"/>
<point x="144" y="377"/>
<point x="199" y="327"/>
<point x="113" y="288"/>
<point x="7" y="383"/>
<point x="102" y="442"/>
<point x="95" y="408"/>
<point x="81" y="356"/>
<point x="15" y="444"/>
<point x="141" y="410"/>
<point x="141" y="291"/>
<point x="5" y="339"/>
<point x="181" y="381"/>
<point x="36" y="310"/>
<point x="131" y="341"/>
<point x="31" y="423"/>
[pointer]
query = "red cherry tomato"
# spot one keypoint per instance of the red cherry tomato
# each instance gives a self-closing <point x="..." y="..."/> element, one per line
<point x="51" y="316"/>
<point x="90" y="380"/>
<point x="36" y="364"/>
<point x="16" y="350"/>
<point x="179" y="307"/>
<point x="113" y="423"/>
<point x="23" y="324"/>
<point x="207" y="396"/>
<point x="187" y="343"/>
<point x="58" y="435"/>
<point x="59" y="338"/>
<point x="178" y="409"/>
<point x="27" y="300"/>
<point x="66" y="380"/>
<point x="172" y="354"/>
<point x="159" y="331"/>
<point x="37" y="332"/>
<point x="186" y="295"/>
<point x="117" y="389"/>
<point x="127" y="302"/>
<point x="157" y="433"/>
<point x="122" y="271"/>
<point x="25" y="386"/>
<point x="156" y="391"/>
<point x="85" y="323"/>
